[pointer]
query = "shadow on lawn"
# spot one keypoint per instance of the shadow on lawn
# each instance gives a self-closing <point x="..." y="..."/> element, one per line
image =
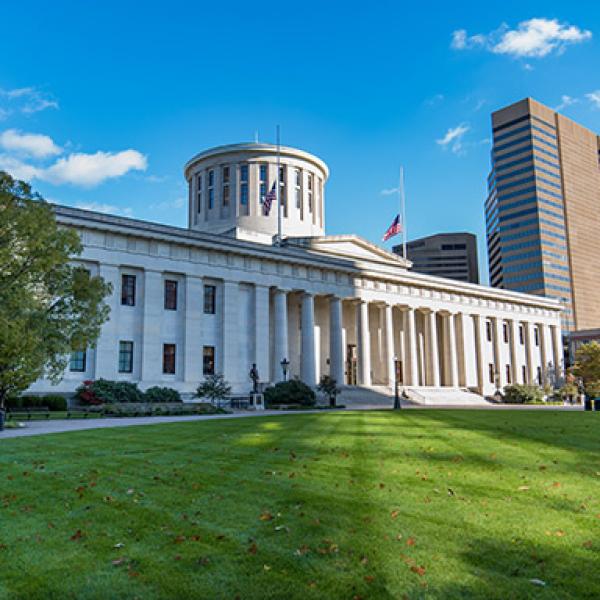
<point x="521" y="569"/>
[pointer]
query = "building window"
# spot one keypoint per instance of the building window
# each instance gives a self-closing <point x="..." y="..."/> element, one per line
<point x="128" y="290"/>
<point x="521" y="335"/>
<point x="244" y="185"/>
<point x="77" y="361"/>
<point x="282" y="189"/>
<point x="298" y="188"/>
<point x="539" y="375"/>
<point x="199" y="192"/>
<point x="125" y="357"/>
<point x="536" y="335"/>
<point x="169" y="359"/>
<point x="508" y="375"/>
<point x="211" y="189"/>
<point x="208" y="360"/>
<point x="262" y="179"/>
<point x="310" y="192"/>
<point x="170" y="295"/>
<point x="505" y="332"/>
<point x="488" y="330"/>
<point x="225" y="186"/>
<point x="210" y="297"/>
<point x="524" y="373"/>
<point x="491" y="372"/>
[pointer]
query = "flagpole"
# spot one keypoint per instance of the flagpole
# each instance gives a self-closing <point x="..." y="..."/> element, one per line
<point x="403" y="211"/>
<point x="277" y="179"/>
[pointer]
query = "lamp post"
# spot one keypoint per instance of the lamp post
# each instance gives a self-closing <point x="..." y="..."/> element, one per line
<point x="285" y="363"/>
<point x="397" y="405"/>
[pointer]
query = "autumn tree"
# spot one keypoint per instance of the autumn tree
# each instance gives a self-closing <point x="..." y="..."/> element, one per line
<point x="587" y="366"/>
<point x="48" y="305"/>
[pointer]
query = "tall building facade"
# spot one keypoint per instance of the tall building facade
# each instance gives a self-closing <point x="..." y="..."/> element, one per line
<point x="543" y="209"/>
<point x="451" y="255"/>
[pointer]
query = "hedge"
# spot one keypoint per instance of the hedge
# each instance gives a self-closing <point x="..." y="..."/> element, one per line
<point x="523" y="394"/>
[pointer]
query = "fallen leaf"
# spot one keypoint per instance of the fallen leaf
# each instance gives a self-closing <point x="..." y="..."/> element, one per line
<point x="266" y="567"/>
<point x="253" y="549"/>
<point x="523" y="488"/>
<point x="119" y="545"/>
<point x="395" y="514"/>
<point x="418" y="570"/>
<point x="266" y="516"/>
<point x="77" y="535"/>
<point x="369" y="578"/>
<point x="364" y="560"/>
<point x="410" y="541"/>
<point x="537" y="582"/>
<point x="304" y="549"/>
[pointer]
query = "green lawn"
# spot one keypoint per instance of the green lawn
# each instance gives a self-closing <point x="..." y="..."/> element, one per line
<point x="418" y="504"/>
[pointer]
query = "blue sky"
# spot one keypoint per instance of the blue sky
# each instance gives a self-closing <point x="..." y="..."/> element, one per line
<point x="101" y="103"/>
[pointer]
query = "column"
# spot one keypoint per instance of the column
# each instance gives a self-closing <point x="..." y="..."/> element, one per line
<point x="557" y="351"/>
<point x="151" y="333"/>
<point x="529" y="343"/>
<point x="364" y="343"/>
<point x="336" y="346"/>
<point x="432" y="347"/>
<point x="194" y="309"/>
<point x="261" y="332"/>
<point x="410" y="337"/>
<point x="477" y="325"/>
<point x="281" y="332"/>
<point x="497" y="336"/>
<point x="452" y="358"/>
<point x="514" y="336"/>
<point x="107" y="346"/>
<point x="389" y="343"/>
<point x="463" y="373"/>
<point x="308" y="366"/>
<point x="546" y="350"/>
<point x="231" y="369"/>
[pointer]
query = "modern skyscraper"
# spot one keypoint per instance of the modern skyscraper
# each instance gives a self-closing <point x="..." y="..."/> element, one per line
<point x="451" y="255"/>
<point x="543" y="209"/>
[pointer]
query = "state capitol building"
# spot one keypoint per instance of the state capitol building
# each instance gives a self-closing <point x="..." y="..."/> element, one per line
<point x="225" y="293"/>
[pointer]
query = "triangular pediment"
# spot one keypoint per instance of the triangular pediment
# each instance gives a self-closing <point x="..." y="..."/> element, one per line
<point x="351" y="247"/>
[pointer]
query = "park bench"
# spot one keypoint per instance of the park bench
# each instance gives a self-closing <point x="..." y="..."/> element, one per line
<point x="28" y="412"/>
<point x="239" y="402"/>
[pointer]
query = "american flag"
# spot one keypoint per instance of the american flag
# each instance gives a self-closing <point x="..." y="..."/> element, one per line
<point x="394" y="229"/>
<point x="271" y="195"/>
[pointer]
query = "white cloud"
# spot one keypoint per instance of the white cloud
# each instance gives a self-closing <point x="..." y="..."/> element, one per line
<point x="454" y="138"/>
<point x="110" y="209"/>
<point x="179" y="202"/>
<point x="17" y="168"/>
<point x="594" y="98"/>
<point x="435" y="100"/>
<point x="28" y="100"/>
<point x="390" y="191"/>
<point x="28" y="144"/>
<point x="534" y="38"/>
<point x="92" y="169"/>
<point x="564" y="102"/>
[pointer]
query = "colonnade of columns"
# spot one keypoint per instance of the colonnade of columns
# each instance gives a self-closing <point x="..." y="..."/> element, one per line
<point x="431" y="347"/>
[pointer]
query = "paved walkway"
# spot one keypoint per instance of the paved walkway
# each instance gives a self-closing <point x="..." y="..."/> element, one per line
<point x="42" y="427"/>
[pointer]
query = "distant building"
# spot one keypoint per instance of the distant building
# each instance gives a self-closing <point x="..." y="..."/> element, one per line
<point x="542" y="211"/>
<point x="451" y="255"/>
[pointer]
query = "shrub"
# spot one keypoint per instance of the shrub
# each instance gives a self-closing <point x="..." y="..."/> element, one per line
<point x="290" y="392"/>
<point x="103" y="391"/>
<point x="161" y="394"/>
<point x="523" y="394"/>
<point x="54" y="402"/>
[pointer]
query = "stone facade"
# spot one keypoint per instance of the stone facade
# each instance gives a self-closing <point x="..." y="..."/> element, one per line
<point x="188" y="302"/>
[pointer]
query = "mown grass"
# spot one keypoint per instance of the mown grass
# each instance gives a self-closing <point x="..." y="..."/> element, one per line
<point x="418" y="504"/>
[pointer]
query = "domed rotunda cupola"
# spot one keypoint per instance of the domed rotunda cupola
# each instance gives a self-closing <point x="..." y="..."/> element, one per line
<point x="228" y="186"/>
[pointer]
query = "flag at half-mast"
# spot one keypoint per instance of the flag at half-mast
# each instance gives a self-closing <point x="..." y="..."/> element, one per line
<point x="269" y="198"/>
<point x="394" y="229"/>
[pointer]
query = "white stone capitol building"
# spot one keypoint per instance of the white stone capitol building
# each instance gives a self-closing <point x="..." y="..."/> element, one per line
<point x="222" y="295"/>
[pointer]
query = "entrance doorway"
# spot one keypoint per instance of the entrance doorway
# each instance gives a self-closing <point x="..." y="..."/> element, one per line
<point x="351" y="364"/>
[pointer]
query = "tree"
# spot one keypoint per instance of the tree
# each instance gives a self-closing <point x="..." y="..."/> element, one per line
<point x="214" y="387"/>
<point x="48" y="306"/>
<point x="587" y="366"/>
<point x="328" y="387"/>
